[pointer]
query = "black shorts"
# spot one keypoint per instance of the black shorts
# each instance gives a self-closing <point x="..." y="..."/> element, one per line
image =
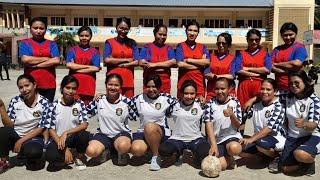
<point x="107" y="141"/>
<point x="140" y="135"/>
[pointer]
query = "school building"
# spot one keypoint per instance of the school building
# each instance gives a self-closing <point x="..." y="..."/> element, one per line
<point x="214" y="16"/>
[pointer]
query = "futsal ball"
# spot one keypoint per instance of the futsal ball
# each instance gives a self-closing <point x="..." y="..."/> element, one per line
<point x="211" y="166"/>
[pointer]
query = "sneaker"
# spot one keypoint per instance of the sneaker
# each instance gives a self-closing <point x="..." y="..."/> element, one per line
<point x="311" y="170"/>
<point x="179" y="160"/>
<point x="35" y="165"/>
<point x="155" y="163"/>
<point x="104" y="156"/>
<point x="4" y="166"/>
<point x="122" y="159"/>
<point x="232" y="164"/>
<point x="274" y="165"/>
<point x="187" y="156"/>
<point x="79" y="164"/>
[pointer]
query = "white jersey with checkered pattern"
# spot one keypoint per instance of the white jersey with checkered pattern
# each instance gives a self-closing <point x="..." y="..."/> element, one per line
<point x="62" y="118"/>
<point x="187" y="121"/>
<point x="153" y="110"/>
<point x="26" y="118"/>
<point x="223" y="128"/>
<point x="113" y="118"/>
<point x="271" y="116"/>
<point x="307" y="108"/>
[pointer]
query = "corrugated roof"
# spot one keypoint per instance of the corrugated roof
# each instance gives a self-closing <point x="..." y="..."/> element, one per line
<point x="166" y="3"/>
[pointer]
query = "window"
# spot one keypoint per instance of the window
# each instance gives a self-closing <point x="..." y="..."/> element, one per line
<point x="217" y="23"/>
<point x="150" y="22"/>
<point x="58" y="21"/>
<point x="255" y="23"/>
<point x="84" y="21"/>
<point x="108" y="21"/>
<point x="173" y="22"/>
<point x="186" y="21"/>
<point x="240" y="24"/>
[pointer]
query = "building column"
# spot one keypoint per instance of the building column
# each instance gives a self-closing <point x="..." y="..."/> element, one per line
<point x="18" y="19"/>
<point x="13" y="20"/>
<point x="8" y="19"/>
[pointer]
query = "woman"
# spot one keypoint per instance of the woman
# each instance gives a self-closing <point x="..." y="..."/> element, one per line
<point x="113" y="111"/>
<point x="23" y="125"/>
<point x="268" y="116"/>
<point x="223" y="118"/>
<point x="252" y="66"/>
<point x="192" y="58"/>
<point x="287" y="57"/>
<point x="303" y="138"/>
<point x="187" y="115"/>
<point x="152" y="108"/>
<point x="83" y="62"/>
<point x="40" y="56"/>
<point x="220" y="65"/>
<point x="121" y="55"/>
<point x="67" y="121"/>
<point x="158" y="57"/>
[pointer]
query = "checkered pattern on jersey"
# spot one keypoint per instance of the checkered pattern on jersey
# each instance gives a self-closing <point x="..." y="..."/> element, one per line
<point x="133" y="113"/>
<point x="51" y="114"/>
<point x="17" y="99"/>
<point x="314" y="111"/>
<point x="208" y="113"/>
<point x="276" y="121"/>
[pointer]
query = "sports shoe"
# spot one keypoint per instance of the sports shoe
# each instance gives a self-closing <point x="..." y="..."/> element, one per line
<point x="179" y="160"/>
<point x="311" y="170"/>
<point x="232" y="164"/>
<point x="274" y="165"/>
<point x="4" y="166"/>
<point x="155" y="163"/>
<point x="79" y="164"/>
<point x="104" y="156"/>
<point x="122" y="159"/>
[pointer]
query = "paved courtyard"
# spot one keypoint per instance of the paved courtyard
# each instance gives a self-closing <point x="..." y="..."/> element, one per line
<point x="255" y="170"/>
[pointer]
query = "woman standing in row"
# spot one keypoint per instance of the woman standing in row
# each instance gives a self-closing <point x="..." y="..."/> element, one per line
<point x="83" y="62"/>
<point x="192" y="58"/>
<point x="121" y="55"/>
<point x="287" y="57"/>
<point x="40" y="56"/>
<point x="158" y="57"/>
<point x="220" y="65"/>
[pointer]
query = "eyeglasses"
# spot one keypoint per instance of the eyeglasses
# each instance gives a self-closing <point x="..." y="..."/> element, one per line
<point x="256" y="39"/>
<point x="295" y="83"/>
<point x="123" y="29"/>
<point x="221" y="43"/>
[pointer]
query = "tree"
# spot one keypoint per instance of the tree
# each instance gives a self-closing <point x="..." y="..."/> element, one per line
<point x="64" y="41"/>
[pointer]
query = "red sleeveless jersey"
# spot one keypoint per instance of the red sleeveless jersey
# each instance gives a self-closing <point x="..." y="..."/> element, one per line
<point x="87" y="82"/>
<point x="218" y="67"/>
<point x="283" y="54"/>
<point x="45" y="77"/>
<point x="256" y="60"/>
<point x="195" y="75"/>
<point x="121" y="51"/>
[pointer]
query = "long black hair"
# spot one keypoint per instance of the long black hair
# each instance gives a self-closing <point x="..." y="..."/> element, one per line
<point x="127" y="41"/>
<point x="308" y="90"/>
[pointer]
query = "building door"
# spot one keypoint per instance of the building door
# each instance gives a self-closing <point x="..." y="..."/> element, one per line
<point x="173" y="22"/>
